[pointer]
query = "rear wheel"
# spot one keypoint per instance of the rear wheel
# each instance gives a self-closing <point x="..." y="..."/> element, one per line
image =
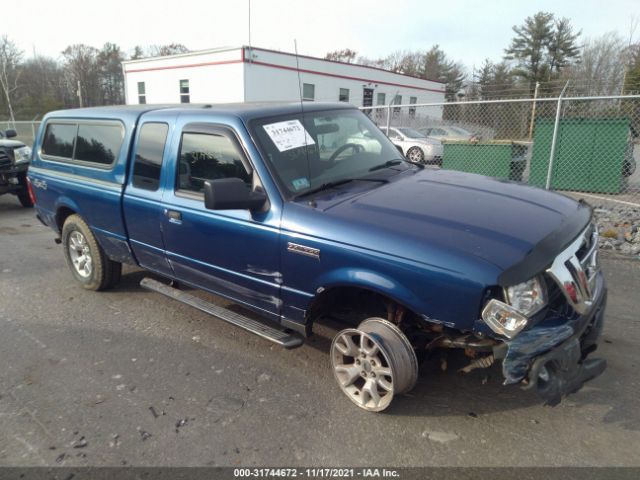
<point x="373" y="363"/>
<point x="85" y="258"/>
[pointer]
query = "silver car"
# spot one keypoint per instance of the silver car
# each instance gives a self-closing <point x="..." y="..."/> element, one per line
<point x="449" y="133"/>
<point x="415" y="146"/>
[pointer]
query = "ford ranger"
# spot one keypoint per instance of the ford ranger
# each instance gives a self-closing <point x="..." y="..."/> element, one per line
<point x="274" y="208"/>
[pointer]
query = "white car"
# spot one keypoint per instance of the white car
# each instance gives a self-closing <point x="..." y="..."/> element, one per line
<point x="415" y="145"/>
<point x="446" y="133"/>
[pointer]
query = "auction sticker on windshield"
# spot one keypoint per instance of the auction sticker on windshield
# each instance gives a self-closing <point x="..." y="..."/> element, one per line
<point x="288" y="135"/>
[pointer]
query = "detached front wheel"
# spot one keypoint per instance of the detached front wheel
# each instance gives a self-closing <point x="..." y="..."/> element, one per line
<point x="373" y="363"/>
<point x="87" y="261"/>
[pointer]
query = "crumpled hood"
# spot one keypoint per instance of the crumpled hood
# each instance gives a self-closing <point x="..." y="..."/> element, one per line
<point x="423" y="215"/>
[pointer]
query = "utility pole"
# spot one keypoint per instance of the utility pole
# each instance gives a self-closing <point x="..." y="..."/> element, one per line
<point x="533" y="111"/>
<point x="79" y="92"/>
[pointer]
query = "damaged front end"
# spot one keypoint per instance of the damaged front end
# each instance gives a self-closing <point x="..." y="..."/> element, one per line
<point x="550" y="356"/>
<point x="546" y="351"/>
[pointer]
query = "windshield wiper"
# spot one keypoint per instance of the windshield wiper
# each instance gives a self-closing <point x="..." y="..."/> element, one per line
<point x="337" y="183"/>
<point x="393" y="163"/>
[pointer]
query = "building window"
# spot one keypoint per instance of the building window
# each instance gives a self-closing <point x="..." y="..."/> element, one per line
<point x="344" y="95"/>
<point x="412" y="110"/>
<point x="308" y="92"/>
<point x="397" y="100"/>
<point x="184" y="91"/>
<point x="382" y="99"/>
<point x="142" y="93"/>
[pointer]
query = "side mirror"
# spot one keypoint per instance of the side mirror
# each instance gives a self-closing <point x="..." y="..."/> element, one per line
<point x="10" y="133"/>
<point x="231" y="194"/>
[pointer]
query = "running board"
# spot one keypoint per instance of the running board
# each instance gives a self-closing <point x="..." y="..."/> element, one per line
<point x="285" y="339"/>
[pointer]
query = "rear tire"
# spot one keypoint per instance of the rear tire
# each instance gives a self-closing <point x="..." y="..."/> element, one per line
<point x="85" y="257"/>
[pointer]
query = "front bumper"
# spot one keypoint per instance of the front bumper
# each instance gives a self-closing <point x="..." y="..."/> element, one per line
<point x="551" y="358"/>
<point x="10" y="178"/>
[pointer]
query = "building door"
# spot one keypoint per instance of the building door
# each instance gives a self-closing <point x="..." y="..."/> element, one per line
<point x="367" y="97"/>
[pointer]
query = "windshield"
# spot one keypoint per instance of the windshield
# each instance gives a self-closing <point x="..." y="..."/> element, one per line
<point x="325" y="147"/>
<point x="411" y="133"/>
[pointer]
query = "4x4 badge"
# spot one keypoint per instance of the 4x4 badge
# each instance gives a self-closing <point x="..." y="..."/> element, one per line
<point x="303" y="250"/>
<point x="39" y="184"/>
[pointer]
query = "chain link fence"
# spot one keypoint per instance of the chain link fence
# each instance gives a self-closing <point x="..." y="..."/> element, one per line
<point x="584" y="147"/>
<point x="26" y="130"/>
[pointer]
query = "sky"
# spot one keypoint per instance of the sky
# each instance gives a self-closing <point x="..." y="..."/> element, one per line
<point x="468" y="31"/>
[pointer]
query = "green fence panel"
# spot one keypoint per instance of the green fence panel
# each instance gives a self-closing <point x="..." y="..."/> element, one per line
<point x="589" y="157"/>
<point x="482" y="158"/>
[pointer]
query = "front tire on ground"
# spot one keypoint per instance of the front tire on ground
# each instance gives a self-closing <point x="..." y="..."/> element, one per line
<point x="415" y="154"/>
<point x="25" y="199"/>
<point x="373" y="363"/>
<point x="87" y="261"/>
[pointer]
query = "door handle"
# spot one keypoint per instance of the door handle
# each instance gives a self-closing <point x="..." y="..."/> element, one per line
<point x="174" y="216"/>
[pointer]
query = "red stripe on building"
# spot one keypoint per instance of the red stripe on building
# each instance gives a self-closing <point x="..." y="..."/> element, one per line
<point x="335" y="75"/>
<point x="191" y="65"/>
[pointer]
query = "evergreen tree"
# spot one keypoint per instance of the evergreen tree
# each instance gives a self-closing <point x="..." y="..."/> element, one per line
<point x="542" y="47"/>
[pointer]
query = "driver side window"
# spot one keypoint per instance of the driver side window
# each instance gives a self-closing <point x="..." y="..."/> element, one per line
<point x="205" y="156"/>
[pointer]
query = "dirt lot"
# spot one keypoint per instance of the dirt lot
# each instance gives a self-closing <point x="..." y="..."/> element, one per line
<point x="129" y="377"/>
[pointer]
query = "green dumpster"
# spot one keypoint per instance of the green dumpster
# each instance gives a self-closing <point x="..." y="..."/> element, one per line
<point x="502" y="159"/>
<point x="590" y="154"/>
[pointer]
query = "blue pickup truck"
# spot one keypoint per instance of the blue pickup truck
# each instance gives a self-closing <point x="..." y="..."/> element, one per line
<point x="302" y="213"/>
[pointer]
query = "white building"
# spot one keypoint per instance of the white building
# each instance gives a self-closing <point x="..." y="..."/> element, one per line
<point x="246" y="74"/>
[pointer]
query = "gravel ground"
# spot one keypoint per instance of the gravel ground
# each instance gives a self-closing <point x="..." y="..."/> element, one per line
<point x="127" y="377"/>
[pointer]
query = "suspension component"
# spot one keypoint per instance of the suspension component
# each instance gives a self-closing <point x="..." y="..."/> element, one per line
<point x="482" y="362"/>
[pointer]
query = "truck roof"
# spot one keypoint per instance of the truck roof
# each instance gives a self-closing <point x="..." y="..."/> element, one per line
<point x="246" y="111"/>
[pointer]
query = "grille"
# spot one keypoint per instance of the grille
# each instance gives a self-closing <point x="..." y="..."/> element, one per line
<point x="5" y="159"/>
<point x="574" y="271"/>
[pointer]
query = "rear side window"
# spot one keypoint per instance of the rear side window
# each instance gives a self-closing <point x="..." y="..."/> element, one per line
<point x="208" y="157"/>
<point x="98" y="143"/>
<point x="59" y="139"/>
<point x="150" y="150"/>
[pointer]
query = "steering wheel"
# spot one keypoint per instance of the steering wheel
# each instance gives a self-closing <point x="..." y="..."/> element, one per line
<point x="356" y="149"/>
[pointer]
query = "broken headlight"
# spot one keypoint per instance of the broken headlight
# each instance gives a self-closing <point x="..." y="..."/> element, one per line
<point x="523" y="300"/>
<point x="527" y="297"/>
<point x="503" y="319"/>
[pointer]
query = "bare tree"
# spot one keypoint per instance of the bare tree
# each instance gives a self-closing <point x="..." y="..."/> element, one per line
<point x="10" y="57"/>
<point x="165" y="50"/>
<point x="111" y="78"/>
<point x="42" y="88"/>
<point x="601" y="69"/>
<point x="345" y="55"/>
<point x="83" y="73"/>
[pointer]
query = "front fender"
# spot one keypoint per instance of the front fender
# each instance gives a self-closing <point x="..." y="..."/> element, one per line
<point x="368" y="280"/>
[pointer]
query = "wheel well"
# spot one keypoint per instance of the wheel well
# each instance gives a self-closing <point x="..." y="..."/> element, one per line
<point x="62" y="214"/>
<point x="351" y="305"/>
